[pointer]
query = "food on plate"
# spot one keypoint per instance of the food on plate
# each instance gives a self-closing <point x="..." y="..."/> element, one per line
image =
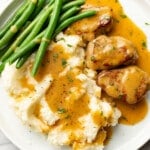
<point x="102" y="23"/>
<point x="129" y="84"/>
<point x="63" y="100"/>
<point x="110" y="52"/>
<point x="22" y="47"/>
<point x="69" y="64"/>
<point x="17" y="23"/>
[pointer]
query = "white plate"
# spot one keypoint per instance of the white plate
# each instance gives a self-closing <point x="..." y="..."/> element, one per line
<point x="124" y="137"/>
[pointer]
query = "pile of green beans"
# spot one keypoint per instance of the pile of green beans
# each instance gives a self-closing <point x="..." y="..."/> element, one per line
<point x="35" y="24"/>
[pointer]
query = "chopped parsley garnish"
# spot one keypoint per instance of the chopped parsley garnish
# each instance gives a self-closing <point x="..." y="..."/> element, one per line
<point x="144" y="44"/>
<point x="62" y="39"/>
<point x="102" y="113"/>
<point x="67" y="117"/>
<point x="92" y="58"/>
<point x="69" y="45"/>
<point x="113" y="48"/>
<point x="116" y="20"/>
<point x="69" y="79"/>
<point x="120" y="96"/>
<point x="146" y="23"/>
<point x="123" y="16"/>
<point x="124" y="118"/>
<point x="61" y="110"/>
<point x="55" y="56"/>
<point x="64" y="62"/>
<point x="83" y="62"/>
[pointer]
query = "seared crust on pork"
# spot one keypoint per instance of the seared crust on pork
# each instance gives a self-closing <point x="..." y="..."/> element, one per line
<point x="110" y="52"/>
<point x="88" y="29"/>
<point x="129" y="84"/>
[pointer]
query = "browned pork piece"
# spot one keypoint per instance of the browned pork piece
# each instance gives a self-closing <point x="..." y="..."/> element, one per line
<point x="109" y="52"/>
<point x="90" y="27"/>
<point x="128" y="84"/>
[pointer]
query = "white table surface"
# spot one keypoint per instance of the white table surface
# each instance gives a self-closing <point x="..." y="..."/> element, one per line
<point x="5" y="144"/>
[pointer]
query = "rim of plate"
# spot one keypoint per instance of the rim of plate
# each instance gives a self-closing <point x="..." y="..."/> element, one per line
<point x="138" y="142"/>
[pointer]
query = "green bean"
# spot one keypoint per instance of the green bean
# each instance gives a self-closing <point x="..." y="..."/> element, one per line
<point x="17" y="42"/>
<point x="25" y="26"/>
<point x="36" y="29"/>
<point x="71" y="20"/>
<point x="66" y="1"/>
<point x="2" y="52"/>
<point x="2" y="66"/>
<point x="13" y="19"/>
<point x="69" y="13"/>
<point x="21" y="52"/>
<point x="22" y="60"/>
<point x="51" y="1"/>
<point x="40" y="5"/>
<point x="38" y="25"/>
<point x="19" y="39"/>
<point x="25" y="49"/>
<point x="14" y="28"/>
<point x="72" y="4"/>
<point x="47" y="36"/>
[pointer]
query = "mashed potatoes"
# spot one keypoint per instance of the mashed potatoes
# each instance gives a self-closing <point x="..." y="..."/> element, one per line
<point x="63" y="100"/>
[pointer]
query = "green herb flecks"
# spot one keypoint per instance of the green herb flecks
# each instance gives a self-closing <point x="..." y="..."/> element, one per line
<point x="123" y="16"/>
<point x="61" y="110"/>
<point x="144" y="44"/>
<point x="64" y="62"/>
